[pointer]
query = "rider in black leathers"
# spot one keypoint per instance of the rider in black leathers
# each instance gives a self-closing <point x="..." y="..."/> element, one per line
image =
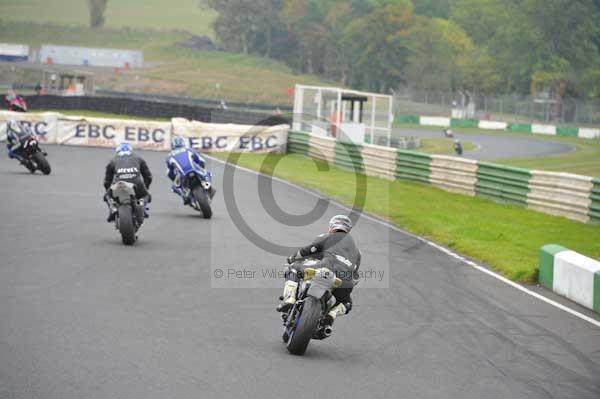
<point x="335" y="250"/>
<point x="126" y="166"/>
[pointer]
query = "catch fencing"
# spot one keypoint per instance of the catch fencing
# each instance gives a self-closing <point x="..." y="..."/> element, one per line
<point x="508" y="107"/>
<point x="561" y="194"/>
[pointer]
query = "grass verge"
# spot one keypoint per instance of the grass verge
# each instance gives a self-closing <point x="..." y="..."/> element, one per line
<point x="505" y="237"/>
<point x="442" y="146"/>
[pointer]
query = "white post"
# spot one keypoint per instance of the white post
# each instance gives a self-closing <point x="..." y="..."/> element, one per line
<point x="298" y="107"/>
<point x="339" y="114"/>
<point x="390" y="120"/>
<point x="373" y="119"/>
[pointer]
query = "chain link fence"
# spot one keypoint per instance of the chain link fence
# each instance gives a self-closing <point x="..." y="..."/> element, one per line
<point x="506" y="108"/>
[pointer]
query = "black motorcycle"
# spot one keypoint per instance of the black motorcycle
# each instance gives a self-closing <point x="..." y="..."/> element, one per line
<point x="458" y="148"/>
<point x="130" y="211"/>
<point x="33" y="157"/>
<point x="314" y="299"/>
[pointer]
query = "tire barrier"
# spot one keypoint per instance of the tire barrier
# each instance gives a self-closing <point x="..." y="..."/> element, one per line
<point x="154" y="109"/>
<point x="571" y="275"/>
<point x="552" y="130"/>
<point x="560" y="194"/>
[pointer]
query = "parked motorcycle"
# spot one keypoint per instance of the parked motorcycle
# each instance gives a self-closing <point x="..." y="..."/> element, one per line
<point x="314" y="299"/>
<point x="33" y="157"/>
<point x="197" y="188"/>
<point x="130" y="211"/>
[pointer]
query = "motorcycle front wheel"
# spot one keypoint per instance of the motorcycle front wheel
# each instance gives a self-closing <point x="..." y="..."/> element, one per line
<point x="305" y="327"/>
<point x="42" y="163"/>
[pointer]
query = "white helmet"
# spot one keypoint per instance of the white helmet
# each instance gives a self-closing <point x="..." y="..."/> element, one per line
<point x="340" y="223"/>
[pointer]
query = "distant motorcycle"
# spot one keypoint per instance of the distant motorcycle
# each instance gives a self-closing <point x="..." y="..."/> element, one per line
<point x="448" y="133"/>
<point x="33" y="157"/>
<point x="458" y="149"/>
<point x="314" y="299"/>
<point x="16" y="103"/>
<point x="130" y="211"/>
<point x="196" y="186"/>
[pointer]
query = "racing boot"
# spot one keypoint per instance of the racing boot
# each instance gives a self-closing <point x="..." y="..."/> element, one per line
<point x="337" y="310"/>
<point x="112" y="209"/>
<point x="288" y="297"/>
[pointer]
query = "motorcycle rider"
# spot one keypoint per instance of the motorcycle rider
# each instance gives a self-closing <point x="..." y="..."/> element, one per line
<point x="16" y="134"/>
<point x="181" y="160"/>
<point x="458" y="149"/>
<point x="126" y="166"/>
<point x="335" y="250"/>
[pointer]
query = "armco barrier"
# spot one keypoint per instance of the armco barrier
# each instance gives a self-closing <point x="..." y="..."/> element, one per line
<point x="412" y="166"/>
<point x="571" y="275"/>
<point x="453" y="174"/>
<point x="560" y="194"/>
<point x="594" y="211"/>
<point x="348" y="156"/>
<point x="322" y="148"/>
<point x="503" y="183"/>
<point x="298" y="143"/>
<point x="379" y="161"/>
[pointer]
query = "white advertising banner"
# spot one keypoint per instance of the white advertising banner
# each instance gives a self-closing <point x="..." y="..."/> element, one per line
<point x="216" y="137"/>
<point x="43" y="125"/>
<point x="102" y="132"/>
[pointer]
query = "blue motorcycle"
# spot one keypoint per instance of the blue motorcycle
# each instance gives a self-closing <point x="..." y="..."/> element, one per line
<point x="196" y="189"/>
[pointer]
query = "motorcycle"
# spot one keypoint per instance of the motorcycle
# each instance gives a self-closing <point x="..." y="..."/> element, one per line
<point x="197" y="188"/>
<point x="33" y="157"/>
<point x="314" y="299"/>
<point x="17" y="104"/>
<point x="448" y="133"/>
<point x="458" y="149"/>
<point x="130" y="211"/>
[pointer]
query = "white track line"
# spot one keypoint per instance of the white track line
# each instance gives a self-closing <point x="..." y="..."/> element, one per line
<point x="430" y="243"/>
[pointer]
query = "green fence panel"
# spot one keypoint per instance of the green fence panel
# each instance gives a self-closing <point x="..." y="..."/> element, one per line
<point x="298" y="143"/>
<point x="408" y="119"/>
<point x="567" y="131"/>
<point x="349" y="157"/>
<point x="464" y="123"/>
<point x="503" y="183"/>
<point x="412" y="165"/>
<point x="519" y="127"/>
<point x="595" y="203"/>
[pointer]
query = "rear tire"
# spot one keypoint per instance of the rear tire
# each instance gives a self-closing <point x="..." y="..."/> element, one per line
<point x="309" y="319"/>
<point x="42" y="163"/>
<point x="126" y="225"/>
<point x="203" y="201"/>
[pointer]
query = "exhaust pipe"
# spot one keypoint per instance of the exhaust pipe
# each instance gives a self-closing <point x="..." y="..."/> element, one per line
<point x="327" y="331"/>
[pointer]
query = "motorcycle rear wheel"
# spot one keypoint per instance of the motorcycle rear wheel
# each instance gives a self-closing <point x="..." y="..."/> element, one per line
<point x="202" y="199"/>
<point x="305" y="326"/>
<point x="126" y="225"/>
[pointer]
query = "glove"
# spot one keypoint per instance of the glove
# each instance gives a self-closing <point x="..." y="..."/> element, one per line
<point x="291" y="259"/>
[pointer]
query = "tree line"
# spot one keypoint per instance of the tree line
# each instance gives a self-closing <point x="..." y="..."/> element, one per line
<point x="499" y="46"/>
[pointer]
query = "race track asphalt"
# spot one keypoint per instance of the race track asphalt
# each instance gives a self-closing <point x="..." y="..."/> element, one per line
<point x="489" y="147"/>
<point x="82" y="316"/>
